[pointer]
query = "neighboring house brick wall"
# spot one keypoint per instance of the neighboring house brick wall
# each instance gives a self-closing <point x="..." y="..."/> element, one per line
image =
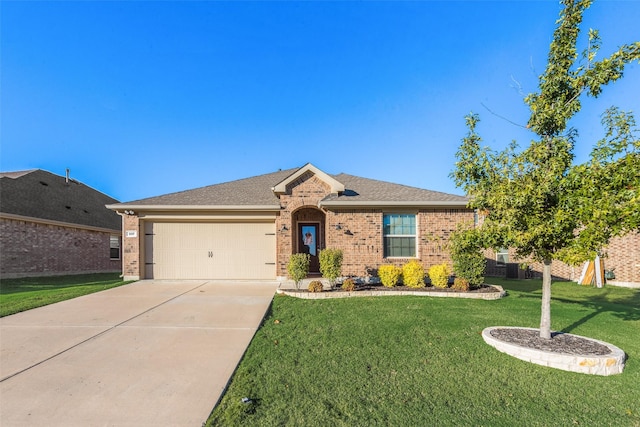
<point x="39" y="249"/>
<point x="622" y="255"/>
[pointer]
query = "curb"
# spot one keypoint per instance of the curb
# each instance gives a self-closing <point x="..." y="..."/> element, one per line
<point x="328" y="295"/>
<point x="609" y="364"/>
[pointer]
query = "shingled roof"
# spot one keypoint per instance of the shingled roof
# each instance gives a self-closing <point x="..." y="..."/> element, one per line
<point x="258" y="192"/>
<point x="40" y="194"/>
<point x="365" y="191"/>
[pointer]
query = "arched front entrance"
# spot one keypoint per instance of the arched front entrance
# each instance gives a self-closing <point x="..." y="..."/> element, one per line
<point x="309" y="234"/>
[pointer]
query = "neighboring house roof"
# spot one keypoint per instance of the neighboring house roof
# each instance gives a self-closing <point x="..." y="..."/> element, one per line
<point x="260" y="192"/>
<point x="40" y="194"/>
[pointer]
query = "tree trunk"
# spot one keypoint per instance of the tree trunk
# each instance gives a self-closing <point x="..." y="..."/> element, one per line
<point x="545" y="312"/>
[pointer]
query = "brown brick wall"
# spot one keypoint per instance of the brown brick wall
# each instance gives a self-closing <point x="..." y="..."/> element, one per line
<point x="363" y="246"/>
<point x="622" y="255"/>
<point x="559" y="270"/>
<point x="360" y="236"/>
<point x="360" y="239"/>
<point x="32" y="249"/>
<point x="132" y="267"/>
<point x="304" y="193"/>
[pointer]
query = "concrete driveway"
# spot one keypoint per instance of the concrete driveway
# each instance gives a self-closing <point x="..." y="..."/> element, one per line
<point x="150" y="353"/>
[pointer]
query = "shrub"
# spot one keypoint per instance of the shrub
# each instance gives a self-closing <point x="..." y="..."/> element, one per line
<point x="315" y="286"/>
<point x="389" y="275"/>
<point x="331" y="264"/>
<point x="439" y="275"/>
<point x="413" y="274"/>
<point x="298" y="267"/>
<point x="460" y="284"/>
<point x="466" y="253"/>
<point x="348" y="285"/>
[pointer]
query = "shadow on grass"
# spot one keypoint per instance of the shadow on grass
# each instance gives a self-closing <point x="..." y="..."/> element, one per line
<point x="627" y="308"/>
<point x="621" y="303"/>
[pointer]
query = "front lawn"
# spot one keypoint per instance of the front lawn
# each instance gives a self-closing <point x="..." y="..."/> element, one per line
<point x="18" y="295"/>
<point x="409" y="361"/>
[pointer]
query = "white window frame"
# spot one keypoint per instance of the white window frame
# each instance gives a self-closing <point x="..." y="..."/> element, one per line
<point x="502" y="257"/>
<point x="385" y="250"/>
<point x="115" y="238"/>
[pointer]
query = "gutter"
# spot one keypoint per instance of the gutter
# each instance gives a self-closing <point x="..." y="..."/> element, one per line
<point x="45" y="221"/>
<point x="165" y="208"/>
<point x="373" y="204"/>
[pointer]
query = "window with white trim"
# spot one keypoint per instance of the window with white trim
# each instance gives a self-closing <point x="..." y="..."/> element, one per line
<point x="502" y="256"/>
<point x="399" y="235"/>
<point x="114" y="247"/>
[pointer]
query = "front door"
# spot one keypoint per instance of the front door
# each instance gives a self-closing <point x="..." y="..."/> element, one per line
<point x="308" y="244"/>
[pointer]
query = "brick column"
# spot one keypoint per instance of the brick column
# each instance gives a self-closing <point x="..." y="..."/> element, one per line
<point x="131" y="235"/>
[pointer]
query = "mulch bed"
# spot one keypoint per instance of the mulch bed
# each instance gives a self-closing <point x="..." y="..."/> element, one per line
<point x="481" y="289"/>
<point x="559" y="342"/>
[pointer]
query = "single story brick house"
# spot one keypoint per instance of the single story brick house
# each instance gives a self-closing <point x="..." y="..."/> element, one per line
<point x="55" y="225"/>
<point x="249" y="228"/>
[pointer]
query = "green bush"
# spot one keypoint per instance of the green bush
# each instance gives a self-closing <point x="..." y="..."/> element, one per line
<point x="315" y="286"/>
<point x="466" y="253"/>
<point x="331" y="264"/>
<point x="389" y="275"/>
<point x="413" y="274"/>
<point x="439" y="275"/>
<point x="348" y="285"/>
<point x="298" y="267"/>
<point x="460" y="284"/>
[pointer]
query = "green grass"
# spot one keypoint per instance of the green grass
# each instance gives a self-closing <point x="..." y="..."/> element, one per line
<point x="18" y="295"/>
<point x="408" y="361"/>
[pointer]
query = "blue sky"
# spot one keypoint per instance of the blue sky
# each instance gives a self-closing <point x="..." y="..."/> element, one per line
<point x="143" y="98"/>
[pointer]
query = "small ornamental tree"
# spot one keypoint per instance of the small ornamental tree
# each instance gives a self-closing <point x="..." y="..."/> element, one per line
<point x="331" y="264"/>
<point x="298" y="267"/>
<point x="535" y="199"/>
<point x="469" y="262"/>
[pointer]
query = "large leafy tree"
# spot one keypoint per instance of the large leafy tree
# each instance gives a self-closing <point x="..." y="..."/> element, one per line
<point x="535" y="199"/>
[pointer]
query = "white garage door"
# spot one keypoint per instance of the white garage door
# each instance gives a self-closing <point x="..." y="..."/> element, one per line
<point x="210" y="250"/>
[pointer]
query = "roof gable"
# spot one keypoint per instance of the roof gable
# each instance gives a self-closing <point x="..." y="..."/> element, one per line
<point x="335" y="185"/>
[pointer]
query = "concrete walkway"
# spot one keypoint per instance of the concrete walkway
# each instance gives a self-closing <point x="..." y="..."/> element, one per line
<point x="148" y="353"/>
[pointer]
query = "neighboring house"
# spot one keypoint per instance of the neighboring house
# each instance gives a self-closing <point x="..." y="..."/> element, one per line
<point x="621" y="256"/>
<point x="248" y="229"/>
<point x="54" y="225"/>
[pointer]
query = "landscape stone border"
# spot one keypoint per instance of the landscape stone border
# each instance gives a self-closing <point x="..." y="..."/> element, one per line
<point x="367" y="293"/>
<point x="609" y="364"/>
